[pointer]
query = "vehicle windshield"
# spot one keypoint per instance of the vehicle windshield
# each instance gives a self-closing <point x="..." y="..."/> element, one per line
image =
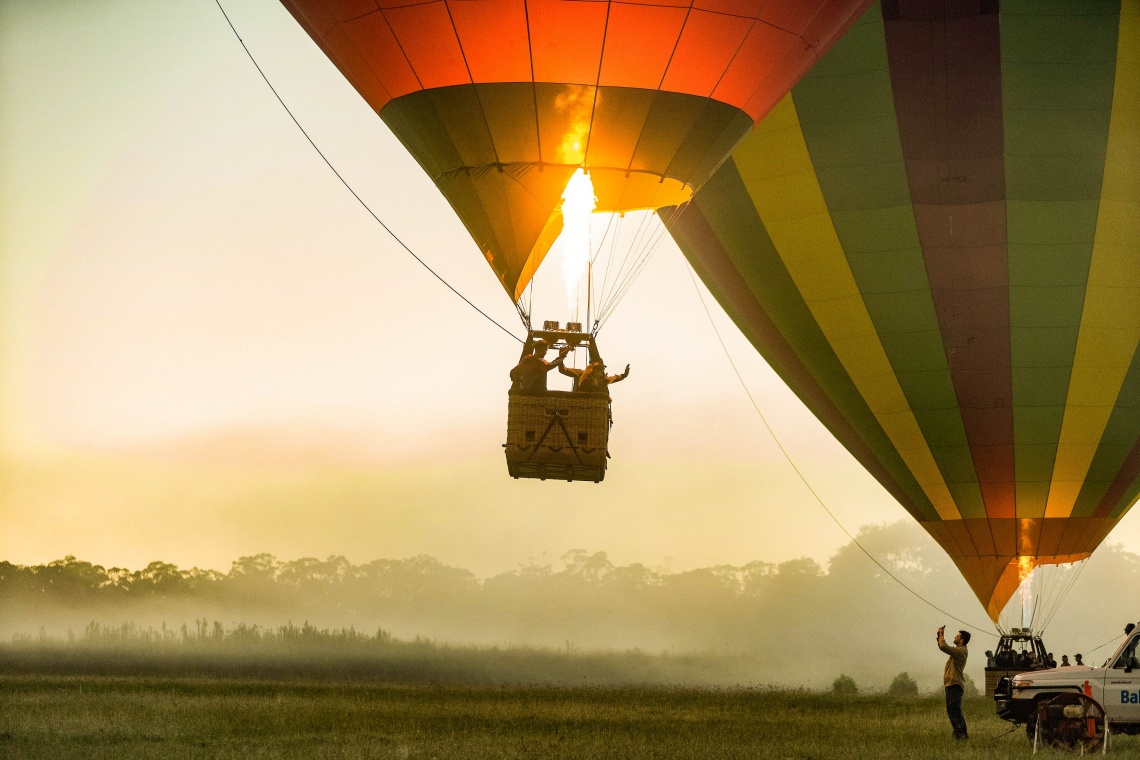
<point x="1127" y="658"/>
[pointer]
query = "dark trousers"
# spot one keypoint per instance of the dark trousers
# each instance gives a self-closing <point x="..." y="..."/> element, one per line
<point x="954" y="710"/>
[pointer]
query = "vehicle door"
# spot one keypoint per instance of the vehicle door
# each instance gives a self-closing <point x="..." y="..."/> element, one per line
<point x="1122" y="684"/>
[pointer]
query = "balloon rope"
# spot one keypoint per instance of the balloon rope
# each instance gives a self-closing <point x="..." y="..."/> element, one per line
<point x="1102" y="646"/>
<point x="593" y="258"/>
<point x="1044" y="599"/>
<point x="788" y="457"/>
<point x="647" y="248"/>
<point x="344" y="182"/>
<point x="1053" y="577"/>
<point x="1050" y="614"/>
<point x="626" y="259"/>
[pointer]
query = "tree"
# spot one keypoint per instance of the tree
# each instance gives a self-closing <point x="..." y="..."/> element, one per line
<point x="903" y="686"/>
<point x="590" y="568"/>
<point x="844" y="686"/>
<point x="158" y="578"/>
<point x="257" y="566"/>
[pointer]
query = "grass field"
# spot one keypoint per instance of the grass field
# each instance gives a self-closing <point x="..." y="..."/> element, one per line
<point x="109" y="717"/>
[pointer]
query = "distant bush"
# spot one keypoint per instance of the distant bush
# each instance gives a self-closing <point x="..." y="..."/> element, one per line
<point x="971" y="689"/>
<point x="208" y="648"/>
<point x="903" y="686"/>
<point x="844" y="686"/>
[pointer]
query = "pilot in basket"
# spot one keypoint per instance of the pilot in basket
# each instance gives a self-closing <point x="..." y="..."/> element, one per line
<point x="559" y="435"/>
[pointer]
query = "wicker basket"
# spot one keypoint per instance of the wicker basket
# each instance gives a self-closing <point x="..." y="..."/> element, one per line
<point x="557" y="435"/>
<point x="994" y="675"/>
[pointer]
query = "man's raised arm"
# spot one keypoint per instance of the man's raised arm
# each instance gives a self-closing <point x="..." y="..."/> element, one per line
<point x="569" y="371"/>
<point x="618" y="378"/>
<point x="561" y="358"/>
<point x="941" y="638"/>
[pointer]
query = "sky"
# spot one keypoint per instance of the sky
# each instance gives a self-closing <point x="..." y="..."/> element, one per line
<point x="208" y="348"/>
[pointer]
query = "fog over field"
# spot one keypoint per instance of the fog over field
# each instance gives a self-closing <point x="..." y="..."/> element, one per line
<point x="795" y="623"/>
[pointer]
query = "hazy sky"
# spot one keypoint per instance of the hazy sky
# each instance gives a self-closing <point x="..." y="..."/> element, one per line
<point x="209" y="349"/>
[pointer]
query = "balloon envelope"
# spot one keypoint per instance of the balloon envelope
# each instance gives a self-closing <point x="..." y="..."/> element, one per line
<point x="935" y="240"/>
<point x="501" y="101"/>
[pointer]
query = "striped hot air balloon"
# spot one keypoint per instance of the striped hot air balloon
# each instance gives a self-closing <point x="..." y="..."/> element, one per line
<point x="934" y="239"/>
<point x="501" y="101"/>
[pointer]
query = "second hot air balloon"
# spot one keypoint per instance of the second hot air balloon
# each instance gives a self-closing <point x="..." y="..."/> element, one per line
<point x="935" y="241"/>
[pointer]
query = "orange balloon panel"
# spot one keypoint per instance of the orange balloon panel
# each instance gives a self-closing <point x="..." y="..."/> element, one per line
<point x="502" y="100"/>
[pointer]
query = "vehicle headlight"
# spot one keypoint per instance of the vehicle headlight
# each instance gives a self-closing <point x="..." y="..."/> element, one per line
<point x="1022" y="684"/>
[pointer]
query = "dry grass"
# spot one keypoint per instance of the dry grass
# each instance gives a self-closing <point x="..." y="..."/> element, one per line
<point x="107" y="717"/>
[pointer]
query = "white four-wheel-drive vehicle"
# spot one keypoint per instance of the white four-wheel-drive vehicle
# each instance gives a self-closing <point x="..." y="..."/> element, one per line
<point x="1115" y="685"/>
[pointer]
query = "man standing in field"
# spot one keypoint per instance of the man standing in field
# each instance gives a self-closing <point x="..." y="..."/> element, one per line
<point x="953" y="679"/>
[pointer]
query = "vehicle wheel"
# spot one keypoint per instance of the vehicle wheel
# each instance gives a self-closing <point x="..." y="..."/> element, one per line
<point x="1030" y="730"/>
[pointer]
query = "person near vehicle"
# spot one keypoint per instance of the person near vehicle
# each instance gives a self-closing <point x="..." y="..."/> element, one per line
<point x="990" y="661"/>
<point x="1064" y="661"/>
<point x="954" y="680"/>
<point x="1077" y="657"/>
<point x="529" y="375"/>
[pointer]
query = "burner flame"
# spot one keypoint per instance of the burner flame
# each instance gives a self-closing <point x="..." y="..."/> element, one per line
<point x="578" y="203"/>
<point x="1025" y="569"/>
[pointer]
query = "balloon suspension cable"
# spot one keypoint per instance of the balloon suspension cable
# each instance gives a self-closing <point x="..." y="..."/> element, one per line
<point x="609" y="258"/>
<point x="347" y="186"/>
<point x="803" y="479"/>
<point x="626" y="259"/>
<point x="524" y="306"/>
<point x="649" y="248"/>
<point x="1064" y="593"/>
<point x="1049" y="586"/>
<point x="1114" y="639"/>
<point x="589" y="290"/>
<point x="646" y="241"/>
<point x="637" y="254"/>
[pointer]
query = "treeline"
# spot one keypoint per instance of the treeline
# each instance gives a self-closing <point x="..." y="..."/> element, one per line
<point x="799" y="622"/>
<point x="263" y="582"/>
<point x="585" y="599"/>
<point x="260" y="578"/>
